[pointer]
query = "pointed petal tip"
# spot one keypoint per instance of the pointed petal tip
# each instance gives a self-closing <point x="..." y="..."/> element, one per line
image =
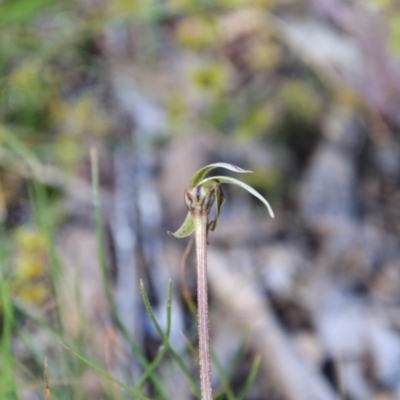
<point x="178" y="234"/>
<point x="173" y="234"/>
<point x="271" y="213"/>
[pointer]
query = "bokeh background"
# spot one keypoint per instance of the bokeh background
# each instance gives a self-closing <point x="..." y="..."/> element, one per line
<point x="304" y="93"/>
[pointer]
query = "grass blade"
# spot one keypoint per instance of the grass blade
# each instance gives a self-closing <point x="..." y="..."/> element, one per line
<point x="8" y="386"/>
<point x="165" y="338"/>
<point x="163" y="352"/>
<point x="106" y="284"/>
<point x="227" y="389"/>
<point x="104" y="374"/>
<point x="250" y="378"/>
<point x="46" y="380"/>
<point x="153" y="318"/>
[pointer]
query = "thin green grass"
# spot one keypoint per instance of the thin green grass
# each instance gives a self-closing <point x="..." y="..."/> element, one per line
<point x="106" y="282"/>
<point x="226" y="387"/>
<point x="8" y="384"/>
<point x="151" y="368"/>
<point x="165" y="339"/>
<point x="104" y="374"/>
<point x="250" y="378"/>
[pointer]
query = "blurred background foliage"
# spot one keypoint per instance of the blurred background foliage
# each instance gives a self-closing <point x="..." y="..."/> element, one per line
<point x="225" y="69"/>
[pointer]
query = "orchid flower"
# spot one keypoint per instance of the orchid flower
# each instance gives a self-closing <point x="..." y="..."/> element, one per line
<point x="200" y="196"/>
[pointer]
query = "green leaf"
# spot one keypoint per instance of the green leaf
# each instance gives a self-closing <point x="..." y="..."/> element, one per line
<point x="233" y="181"/>
<point x="202" y="172"/>
<point x="186" y="228"/>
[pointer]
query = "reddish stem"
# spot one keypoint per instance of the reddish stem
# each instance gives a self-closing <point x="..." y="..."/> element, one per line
<point x="202" y="307"/>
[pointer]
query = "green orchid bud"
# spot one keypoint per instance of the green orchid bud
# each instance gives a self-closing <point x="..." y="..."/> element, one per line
<point x="199" y="199"/>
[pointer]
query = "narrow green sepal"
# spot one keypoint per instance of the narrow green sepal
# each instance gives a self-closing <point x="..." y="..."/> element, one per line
<point x="202" y="172"/>
<point x="186" y="228"/>
<point x="233" y="181"/>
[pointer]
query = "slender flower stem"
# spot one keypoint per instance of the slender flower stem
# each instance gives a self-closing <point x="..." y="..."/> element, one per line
<point x="202" y="306"/>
